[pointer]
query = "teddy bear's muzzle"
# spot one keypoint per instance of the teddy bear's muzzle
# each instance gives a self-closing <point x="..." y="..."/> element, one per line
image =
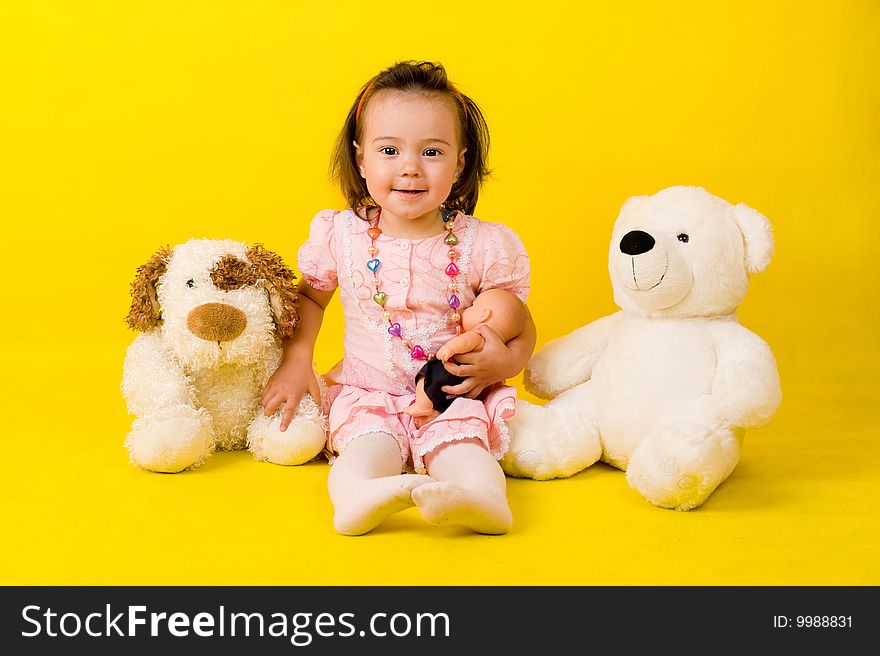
<point x="216" y="322"/>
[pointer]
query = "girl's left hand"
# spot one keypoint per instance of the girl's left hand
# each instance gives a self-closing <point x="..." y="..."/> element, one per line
<point x="481" y="367"/>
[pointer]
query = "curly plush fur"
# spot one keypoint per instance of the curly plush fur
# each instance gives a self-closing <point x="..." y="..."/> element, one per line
<point x="665" y="387"/>
<point x="212" y="313"/>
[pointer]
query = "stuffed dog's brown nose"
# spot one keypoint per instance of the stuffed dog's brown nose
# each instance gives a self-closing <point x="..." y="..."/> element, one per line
<point x="216" y="322"/>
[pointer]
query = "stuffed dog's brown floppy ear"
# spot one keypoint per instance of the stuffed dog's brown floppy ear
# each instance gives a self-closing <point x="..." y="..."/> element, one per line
<point x="145" y="312"/>
<point x="279" y="281"/>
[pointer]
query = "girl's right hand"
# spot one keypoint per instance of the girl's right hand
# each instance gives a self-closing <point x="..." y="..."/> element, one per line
<point x="287" y="385"/>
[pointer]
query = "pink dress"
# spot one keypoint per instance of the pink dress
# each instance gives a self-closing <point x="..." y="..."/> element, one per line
<point x="376" y="379"/>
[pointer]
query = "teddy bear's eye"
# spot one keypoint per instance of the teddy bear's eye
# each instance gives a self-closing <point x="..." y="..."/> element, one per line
<point x="683" y="238"/>
<point x="190" y="283"/>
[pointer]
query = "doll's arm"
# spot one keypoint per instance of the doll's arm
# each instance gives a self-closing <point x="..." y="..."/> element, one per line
<point x="467" y="341"/>
<point x="746" y="390"/>
<point x="568" y="360"/>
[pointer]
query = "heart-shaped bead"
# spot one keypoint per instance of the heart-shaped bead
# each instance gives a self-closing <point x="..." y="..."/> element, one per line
<point x="394" y="329"/>
<point x="418" y="353"/>
<point x="454" y="302"/>
<point x="452" y="270"/>
<point x="380" y="298"/>
<point x="373" y="233"/>
<point x="373" y="265"/>
<point x="451" y="239"/>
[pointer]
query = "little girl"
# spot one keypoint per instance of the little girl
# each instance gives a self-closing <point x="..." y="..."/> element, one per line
<point x="406" y="257"/>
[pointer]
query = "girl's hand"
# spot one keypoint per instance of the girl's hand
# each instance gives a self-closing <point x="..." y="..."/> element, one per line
<point x="481" y="367"/>
<point x="287" y="385"/>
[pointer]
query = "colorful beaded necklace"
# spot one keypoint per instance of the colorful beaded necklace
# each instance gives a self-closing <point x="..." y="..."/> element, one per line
<point x="416" y="351"/>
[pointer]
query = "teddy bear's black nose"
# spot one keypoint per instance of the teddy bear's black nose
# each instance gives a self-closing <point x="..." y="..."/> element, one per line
<point x="636" y="242"/>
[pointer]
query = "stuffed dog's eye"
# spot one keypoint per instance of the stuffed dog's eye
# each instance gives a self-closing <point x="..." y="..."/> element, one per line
<point x="683" y="238"/>
<point x="190" y="283"/>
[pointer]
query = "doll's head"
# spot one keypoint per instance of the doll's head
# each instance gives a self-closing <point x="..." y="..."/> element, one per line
<point x="499" y="309"/>
<point x="412" y="99"/>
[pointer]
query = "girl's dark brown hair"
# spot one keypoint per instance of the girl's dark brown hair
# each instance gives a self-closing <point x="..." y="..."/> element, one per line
<point x="415" y="77"/>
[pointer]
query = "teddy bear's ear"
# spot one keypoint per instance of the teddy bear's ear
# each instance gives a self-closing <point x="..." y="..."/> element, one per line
<point x="145" y="312"/>
<point x="279" y="280"/>
<point x="757" y="237"/>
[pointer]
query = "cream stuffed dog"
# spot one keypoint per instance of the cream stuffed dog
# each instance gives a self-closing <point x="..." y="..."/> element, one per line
<point x="212" y="314"/>
<point x="664" y="387"/>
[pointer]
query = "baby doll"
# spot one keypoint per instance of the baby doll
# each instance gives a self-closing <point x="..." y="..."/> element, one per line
<point x="500" y="310"/>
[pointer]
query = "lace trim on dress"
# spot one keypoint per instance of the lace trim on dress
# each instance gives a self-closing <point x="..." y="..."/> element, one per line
<point x="465" y="243"/>
<point x="347" y="269"/>
<point x="499" y="426"/>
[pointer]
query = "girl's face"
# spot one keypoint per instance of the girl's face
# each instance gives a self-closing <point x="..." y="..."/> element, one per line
<point x="410" y="154"/>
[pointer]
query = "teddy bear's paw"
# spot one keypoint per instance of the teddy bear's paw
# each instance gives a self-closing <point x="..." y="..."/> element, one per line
<point x="545" y="444"/>
<point x="524" y="457"/>
<point x="537" y="381"/>
<point x="680" y="466"/>
<point x="529" y="460"/>
<point x="169" y="445"/>
<point x="522" y="464"/>
<point x="304" y="438"/>
<point x="682" y="494"/>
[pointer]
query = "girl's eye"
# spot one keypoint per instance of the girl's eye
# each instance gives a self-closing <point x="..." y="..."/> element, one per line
<point x="389" y="150"/>
<point x="432" y="152"/>
<point x="190" y="283"/>
<point x="684" y="238"/>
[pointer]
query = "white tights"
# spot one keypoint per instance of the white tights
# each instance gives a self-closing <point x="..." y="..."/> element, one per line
<point x="465" y="485"/>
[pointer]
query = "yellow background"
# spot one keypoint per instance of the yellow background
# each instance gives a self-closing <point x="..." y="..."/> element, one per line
<point x="125" y="126"/>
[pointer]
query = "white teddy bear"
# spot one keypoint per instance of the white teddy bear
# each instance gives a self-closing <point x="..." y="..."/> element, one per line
<point x="663" y="388"/>
<point x="212" y="314"/>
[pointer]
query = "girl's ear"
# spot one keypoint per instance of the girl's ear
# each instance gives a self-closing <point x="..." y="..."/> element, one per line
<point x="145" y="312"/>
<point x="359" y="158"/>
<point x="460" y="166"/>
<point x="278" y="280"/>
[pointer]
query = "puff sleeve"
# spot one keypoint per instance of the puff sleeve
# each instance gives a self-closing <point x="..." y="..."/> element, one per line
<point x="317" y="257"/>
<point x="505" y="261"/>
